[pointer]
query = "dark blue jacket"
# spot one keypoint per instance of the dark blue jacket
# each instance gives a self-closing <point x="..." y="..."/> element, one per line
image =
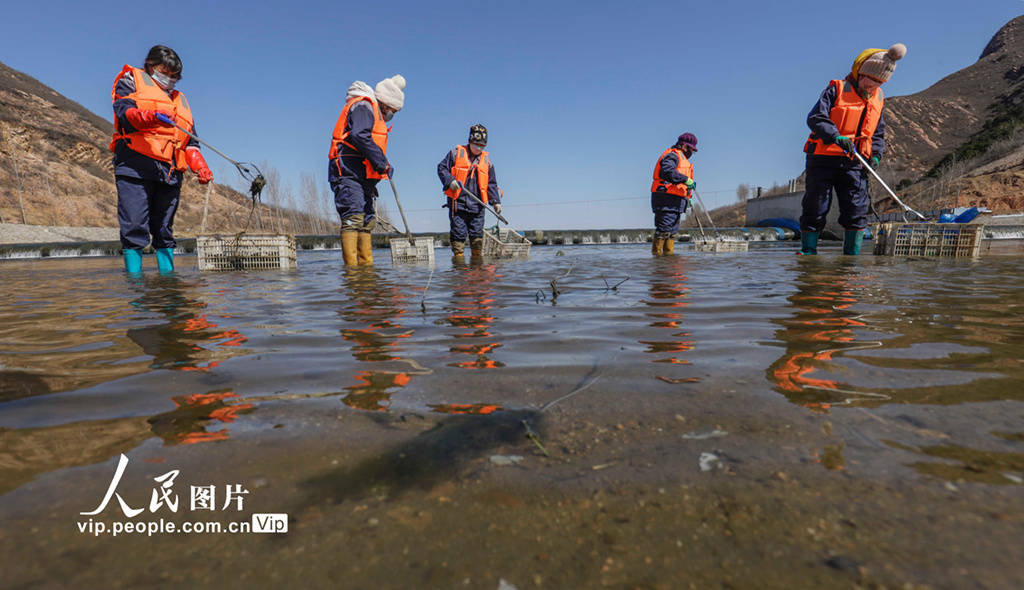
<point x="823" y="126"/>
<point x="130" y="163"/>
<point x="465" y="203"/>
<point x="349" y="163"/>
<point x="668" y="169"/>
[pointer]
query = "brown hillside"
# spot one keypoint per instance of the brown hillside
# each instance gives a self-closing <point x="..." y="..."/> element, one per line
<point x="923" y="127"/>
<point x="56" y="169"/>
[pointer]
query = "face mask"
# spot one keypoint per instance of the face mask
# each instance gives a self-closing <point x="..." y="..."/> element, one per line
<point x="387" y="115"/>
<point x="475" y="149"/>
<point x="165" y="82"/>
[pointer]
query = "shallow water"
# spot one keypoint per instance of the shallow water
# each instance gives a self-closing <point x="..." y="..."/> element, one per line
<point x="94" y="363"/>
<point x="198" y="355"/>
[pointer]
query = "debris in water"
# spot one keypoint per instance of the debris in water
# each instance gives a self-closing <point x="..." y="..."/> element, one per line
<point x="503" y="585"/>
<point x="506" y="460"/>
<point x="704" y="435"/>
<point x="709" y="461"/>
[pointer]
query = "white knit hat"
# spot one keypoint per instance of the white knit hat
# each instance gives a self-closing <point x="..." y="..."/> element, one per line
<point x="389" y="92"/>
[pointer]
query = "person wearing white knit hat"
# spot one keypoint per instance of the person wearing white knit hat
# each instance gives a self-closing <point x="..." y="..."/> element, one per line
<point x="358" y="161"/>
<point x="847" y="118"/>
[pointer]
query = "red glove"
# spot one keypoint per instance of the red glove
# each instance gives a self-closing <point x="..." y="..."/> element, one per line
<point x="197" y="163"/>
<point x="141" y="119"/>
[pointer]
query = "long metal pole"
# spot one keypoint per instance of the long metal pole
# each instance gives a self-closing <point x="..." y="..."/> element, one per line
<point x="408" y="234"/>
<point x="886" y="186"/>
<point x="486" y="206"/>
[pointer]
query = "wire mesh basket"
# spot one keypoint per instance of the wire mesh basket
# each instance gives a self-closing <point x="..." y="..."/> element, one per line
<point x="246" y="252"/>
<point x="414" y="250"/>
<point x="718" y="245"/>
<point x="505" y="243"/>
<point x="940" y="240"/>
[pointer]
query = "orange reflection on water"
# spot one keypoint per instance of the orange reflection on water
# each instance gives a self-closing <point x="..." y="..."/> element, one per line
<point x="473" y="310"/>
<point x="668" y="297"/>
<point x="187" y="423"/>
<point x="479" y="409"/>
<point x="823" y="320"/>
<point x="371" y="325"/>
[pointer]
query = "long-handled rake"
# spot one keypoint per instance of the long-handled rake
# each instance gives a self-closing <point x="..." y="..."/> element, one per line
<point x="508" y="242"/>
<point x="906" y="209"/>
<point x="409" y="249"/>
<point x="242" y="252"/>
<point x="718" y="244"/>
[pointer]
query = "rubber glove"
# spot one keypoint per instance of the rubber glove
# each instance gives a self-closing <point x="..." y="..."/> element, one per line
<point x="141" y="119"/>
<point x="454" y="185"/>
<point x="846" y="143"/>
<point x="874" y="161"/>
<point x="197" y="163"/>
<point x="690" y="184"/>
<point x="497" y="207"/>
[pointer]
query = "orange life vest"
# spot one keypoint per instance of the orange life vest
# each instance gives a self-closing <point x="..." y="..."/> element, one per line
<point x="683" y="167"/>
<point x="163" y="143"/>
<point x="379" y="132"/>
<point x="855" y="117"/>
<point x="460" y="170"/>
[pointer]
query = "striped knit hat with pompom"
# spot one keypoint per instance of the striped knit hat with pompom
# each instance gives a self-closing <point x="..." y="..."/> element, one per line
<point x="878" y="63"/>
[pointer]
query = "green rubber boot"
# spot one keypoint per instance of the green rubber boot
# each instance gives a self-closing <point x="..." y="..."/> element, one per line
<point x="132" y="260"/>
<point x="809" y="242"/>
<point x="852" y="240"/>
<point x="165" y="260"/>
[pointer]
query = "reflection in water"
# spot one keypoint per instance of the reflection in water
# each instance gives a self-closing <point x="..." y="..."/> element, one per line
<point x="187" y="424"/>
<point x="478" y="409"/>
<point x="184" y="342"/>
<point x="28" y="452"/>
<point x="822" y="327"/>
<point x="472" y="310"/>
<point x="667" y="301"/>
<point x="371" y="324"/>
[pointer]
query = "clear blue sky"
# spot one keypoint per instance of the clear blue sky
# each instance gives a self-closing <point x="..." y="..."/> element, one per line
<point x="580" y="98"/>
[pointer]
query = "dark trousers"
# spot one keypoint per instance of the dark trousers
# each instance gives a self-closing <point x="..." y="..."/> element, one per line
<point x="668" y="212"/>
<point x="851" y="187"/>
<point x="146" y="208"/>
<point x="354" y="201"/>
<point x="464" y="224"/>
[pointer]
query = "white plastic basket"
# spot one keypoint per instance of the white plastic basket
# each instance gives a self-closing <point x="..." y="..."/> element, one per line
<point x="506" y="243"/>
<point x="246" y="252"/>
<point x="415" y="250"/>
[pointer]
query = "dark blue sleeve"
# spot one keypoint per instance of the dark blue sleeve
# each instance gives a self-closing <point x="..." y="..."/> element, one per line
<point x="125" y="86"/>
<point x="493" y="194"/>
<point x="444" y="169"/>
<point x="668" y="172"/>
<point x="878" y="139"/>
<point x="360" y="124"/>
<point x="818" y="119"/>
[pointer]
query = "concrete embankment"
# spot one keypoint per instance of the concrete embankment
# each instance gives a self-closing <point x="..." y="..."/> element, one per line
<point x="17" y="241"/>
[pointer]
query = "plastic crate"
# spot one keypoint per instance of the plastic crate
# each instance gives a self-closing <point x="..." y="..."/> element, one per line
<point x="940" y="240"/>
<point x="415" y="250"/>
<point x="246" y="252"/>
<point x="505" y="243"/>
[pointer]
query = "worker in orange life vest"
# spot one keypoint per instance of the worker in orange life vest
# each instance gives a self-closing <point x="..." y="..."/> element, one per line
<point x="468" y="169"/>
<point x="671" y="191"/>
<point x="358" y="161"/>
<point x="847" y="117"/>
<point x="150" y="155"/>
